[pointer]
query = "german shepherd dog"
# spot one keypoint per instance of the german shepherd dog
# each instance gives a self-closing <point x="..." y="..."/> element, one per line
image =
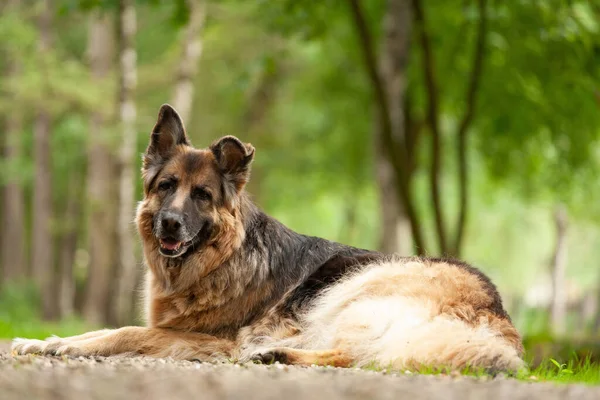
<point x="227" y="282"/>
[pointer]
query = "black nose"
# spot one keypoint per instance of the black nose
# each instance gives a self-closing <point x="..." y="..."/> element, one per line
<point x="171" y="223"/>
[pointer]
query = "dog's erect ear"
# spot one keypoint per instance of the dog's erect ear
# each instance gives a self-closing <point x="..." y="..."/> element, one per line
<point x="167" y="134"/>
<point x="234" y="159"/>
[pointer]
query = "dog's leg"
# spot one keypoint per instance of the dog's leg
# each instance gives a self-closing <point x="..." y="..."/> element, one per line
<point x="87" y="335"/>
<point x="35" y="346"/>
<point x="154" y="342"/>
<point x="286" y="355"/>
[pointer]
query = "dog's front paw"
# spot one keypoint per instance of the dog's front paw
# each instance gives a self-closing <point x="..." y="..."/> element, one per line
<point x="22" y="346"/>
<point x="270" y="356"/>
<point x="53" y="346"/>
<point x="71" y="350"/>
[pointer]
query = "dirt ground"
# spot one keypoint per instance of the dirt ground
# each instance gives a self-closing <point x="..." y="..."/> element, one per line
<point x="34" y="377"/>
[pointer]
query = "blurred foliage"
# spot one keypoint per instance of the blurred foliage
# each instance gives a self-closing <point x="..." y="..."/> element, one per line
<point x="540" y="98"/>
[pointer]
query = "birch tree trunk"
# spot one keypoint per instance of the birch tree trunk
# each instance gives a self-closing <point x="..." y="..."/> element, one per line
<point x="396" y="231"/>
<point x="127" y="71"/>
<point x="42" y="257"/>
<point x="183" y="95"/>
<point x="100" y="180"/>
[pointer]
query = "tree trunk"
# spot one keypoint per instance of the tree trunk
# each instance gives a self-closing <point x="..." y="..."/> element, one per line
<point x="395" y="232"/>
<point x="127" y="71"/>
<point x="100" y="180"/>
<point x="13" y="207"/>
<point x="433" y="123"/>
<point x="558" y="308"/>
<point x="395" y="226"/>
<point x="68" y="244"/>
<point x="463" y="128"/>
<point x="183" y="95"/>
<point x="42" y="258"/>
<point x="397" y="152"/>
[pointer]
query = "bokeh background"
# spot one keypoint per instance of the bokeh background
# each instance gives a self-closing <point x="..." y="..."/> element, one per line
<point x="463" y="128"/>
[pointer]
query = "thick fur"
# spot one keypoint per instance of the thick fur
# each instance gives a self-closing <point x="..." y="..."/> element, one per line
<point x="248" y="288"/>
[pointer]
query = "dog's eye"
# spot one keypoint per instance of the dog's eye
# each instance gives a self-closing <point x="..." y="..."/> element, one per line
<point x="165" y="185"/>
<point x="201" y="194"/>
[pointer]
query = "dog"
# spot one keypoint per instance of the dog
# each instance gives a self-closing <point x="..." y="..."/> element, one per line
<point x="227" y="282"/>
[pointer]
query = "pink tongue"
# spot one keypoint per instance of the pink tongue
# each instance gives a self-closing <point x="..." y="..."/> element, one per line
<point x="170" y="245"/>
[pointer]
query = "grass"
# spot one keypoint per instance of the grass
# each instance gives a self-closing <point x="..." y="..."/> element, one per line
<point x="19" y="316"/>
<point x="574" y="371"/>
<point x="41" y="330"/>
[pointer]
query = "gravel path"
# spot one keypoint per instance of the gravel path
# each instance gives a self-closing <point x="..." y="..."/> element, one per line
<point x="34" y="377"/>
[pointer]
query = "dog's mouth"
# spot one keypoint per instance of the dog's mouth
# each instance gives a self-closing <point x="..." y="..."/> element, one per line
<point x="170" y="247"/>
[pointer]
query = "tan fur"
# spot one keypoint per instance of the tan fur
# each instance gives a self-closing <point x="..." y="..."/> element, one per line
<point x="153" y="342"/>
<point x="222" y="303"/>
<point x="222" y="245"/>
<point x="334" y="357"/>
<point x="211" y="296"/>
<point x="407" y="315"/>
<point x="204" y="297"/>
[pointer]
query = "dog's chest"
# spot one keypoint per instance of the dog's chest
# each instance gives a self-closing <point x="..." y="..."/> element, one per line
<point x="192" y="312"/>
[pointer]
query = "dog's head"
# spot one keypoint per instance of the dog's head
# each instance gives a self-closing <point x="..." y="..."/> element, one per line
<point x="188" y="192"/>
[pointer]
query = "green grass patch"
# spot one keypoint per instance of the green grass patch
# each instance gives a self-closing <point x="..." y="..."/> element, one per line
<point x="573" y="371"/>
<point x="41" y="329"/>
<point x="582" y="371"/>
<point x="19" y="316"/>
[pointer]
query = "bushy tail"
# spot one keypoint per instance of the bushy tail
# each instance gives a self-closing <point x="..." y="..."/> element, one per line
<point x="412" y="315"/>
<point x="443" y="343"/>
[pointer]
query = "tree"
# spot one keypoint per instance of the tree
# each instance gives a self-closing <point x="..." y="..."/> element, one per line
<point x="398" y="154"/>
<point x="13" y="207"/>
<point x="395" y="230"/>
<point x="68" y="243"/>
<point x="13" y="211"/>
<point x="183" y="94"/>
<point x="100" y="178"/>
<point x="127" y="82"/>
<point x="42" y="243"/>
<point x="401" y="149"/>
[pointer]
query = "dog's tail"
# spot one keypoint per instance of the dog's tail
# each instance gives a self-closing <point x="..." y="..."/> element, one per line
<point x="412" y="317"/>
<point x="442" y="343"/>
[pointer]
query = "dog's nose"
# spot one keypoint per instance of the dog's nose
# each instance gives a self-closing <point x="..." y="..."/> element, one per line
<point x="171" y="223"/>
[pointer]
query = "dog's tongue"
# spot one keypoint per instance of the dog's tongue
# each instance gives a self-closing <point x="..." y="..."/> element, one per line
<point x="170" y="244"/>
